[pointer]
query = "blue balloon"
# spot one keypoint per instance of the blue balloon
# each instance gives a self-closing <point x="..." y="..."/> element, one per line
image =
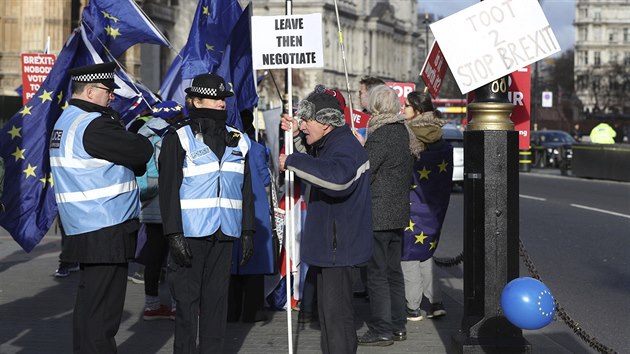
<point x="527" y="303"/>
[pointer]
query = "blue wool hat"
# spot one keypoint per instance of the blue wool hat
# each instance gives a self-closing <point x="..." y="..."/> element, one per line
<point x="167" y="109"/>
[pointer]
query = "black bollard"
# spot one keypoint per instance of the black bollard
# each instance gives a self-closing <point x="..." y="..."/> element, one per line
<point x="525" y="160"/>
<point x="491" y="230"/>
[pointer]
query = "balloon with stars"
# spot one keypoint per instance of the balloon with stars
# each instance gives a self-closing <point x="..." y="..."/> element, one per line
<point x="527" y="303"/>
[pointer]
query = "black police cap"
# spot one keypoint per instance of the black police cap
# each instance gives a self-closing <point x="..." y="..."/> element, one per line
<point x="209" y="86"/>
<point x="97" y="73"/>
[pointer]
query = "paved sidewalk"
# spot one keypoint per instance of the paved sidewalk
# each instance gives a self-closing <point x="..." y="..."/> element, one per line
<point x="36" y="316"/>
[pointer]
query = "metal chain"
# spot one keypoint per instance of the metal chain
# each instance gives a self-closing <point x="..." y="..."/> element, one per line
<point x="574" y="325"/>
<point x="449" y="262"/>
<point x="560" y="312"/>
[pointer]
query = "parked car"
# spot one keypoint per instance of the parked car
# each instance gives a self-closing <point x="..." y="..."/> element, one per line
<point x="453" y="135"/>
<point x="551" y="148"/>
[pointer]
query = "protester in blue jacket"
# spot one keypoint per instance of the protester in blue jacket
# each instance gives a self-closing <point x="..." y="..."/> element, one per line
<point x="338" y="228"/>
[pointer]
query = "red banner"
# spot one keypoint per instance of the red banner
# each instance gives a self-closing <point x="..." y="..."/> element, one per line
<point x="402" y="89"/>
<point x="35" y="69"/>
<point x="434" y="70"/>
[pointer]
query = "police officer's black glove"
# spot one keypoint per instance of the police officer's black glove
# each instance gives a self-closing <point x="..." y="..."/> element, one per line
<point x="180" y="250"/>
<point x="247" y="244"/>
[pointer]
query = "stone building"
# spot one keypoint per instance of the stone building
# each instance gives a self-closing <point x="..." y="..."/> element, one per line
<point x="383" y="38"/>
<point x="602" y="56"/>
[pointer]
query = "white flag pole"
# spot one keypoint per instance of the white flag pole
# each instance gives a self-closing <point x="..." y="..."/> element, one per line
<point x="288" y="203"/>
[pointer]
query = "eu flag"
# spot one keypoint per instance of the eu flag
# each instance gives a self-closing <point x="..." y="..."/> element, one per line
<point x="212" y="25"/>
<point x="117" y="25"/>
<point x="28" y="195"/>
<point x="29" y="200"/>
<point x="429" y="198"/>
<point x="237" y="70"/>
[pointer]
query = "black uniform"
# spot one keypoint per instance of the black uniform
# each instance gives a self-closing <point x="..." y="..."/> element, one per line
<point x="104" y="253"/>
<point x="200" y="291"/>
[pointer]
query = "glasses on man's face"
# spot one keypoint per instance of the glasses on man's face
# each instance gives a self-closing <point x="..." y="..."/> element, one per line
<point x="407" y="105"/>
<point x="109" y="91"/>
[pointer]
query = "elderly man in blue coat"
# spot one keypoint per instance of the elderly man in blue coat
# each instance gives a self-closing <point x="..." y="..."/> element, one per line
<point x="338" y="228"/>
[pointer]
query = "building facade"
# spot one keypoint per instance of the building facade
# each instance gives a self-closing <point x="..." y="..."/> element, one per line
<point x="602" y="56"/>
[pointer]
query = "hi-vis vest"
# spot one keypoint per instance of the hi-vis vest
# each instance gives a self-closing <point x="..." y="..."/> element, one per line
<point x="91" y="193"/>
<point x="211" y="193"/>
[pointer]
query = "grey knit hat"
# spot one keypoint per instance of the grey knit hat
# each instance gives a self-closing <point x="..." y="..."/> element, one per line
<point x="323" y="108"/>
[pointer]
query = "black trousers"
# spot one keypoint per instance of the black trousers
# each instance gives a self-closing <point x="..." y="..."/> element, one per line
<point x="200" y="293"/>
<point x="336" y="314"/>
<point x="153" y="255"/>
<point x="386" y="284"/>
<point x="98" y="308"/>
<point x="246" y="298"/>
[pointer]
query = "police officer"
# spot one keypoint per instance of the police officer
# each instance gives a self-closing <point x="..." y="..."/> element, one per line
<point x="94" y="161"/>
<point x="206" y="203"/>
<point x="603" y="133"/>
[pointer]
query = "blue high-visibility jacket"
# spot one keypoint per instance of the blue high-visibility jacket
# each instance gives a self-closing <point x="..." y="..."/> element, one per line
<point x="211" y="191"/>
<point x="91" y="193"/>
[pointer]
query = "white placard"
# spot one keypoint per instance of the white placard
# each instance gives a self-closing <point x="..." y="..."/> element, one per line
<point x="492" y="39"/>
<point x="287" y="41"/>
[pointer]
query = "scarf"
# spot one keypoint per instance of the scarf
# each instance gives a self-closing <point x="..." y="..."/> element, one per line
<point x="425" y="128"/>
<point x="378" y="120"/>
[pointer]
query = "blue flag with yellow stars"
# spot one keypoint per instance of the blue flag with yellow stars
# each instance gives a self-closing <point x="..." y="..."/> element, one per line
<point x="207" y="39"/>
<point x="117" y="25"/>
<point x="28" y="197"/>
<point x="237" y="70"/>
<point x="429" y="197"/>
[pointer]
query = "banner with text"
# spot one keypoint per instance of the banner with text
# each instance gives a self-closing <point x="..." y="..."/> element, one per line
<point x="402" y="89"/>
<point x="287" y="41"/>
<point x="493" y="38"/>
<point x="434" y="70"/>
<point x="35" y="69"/>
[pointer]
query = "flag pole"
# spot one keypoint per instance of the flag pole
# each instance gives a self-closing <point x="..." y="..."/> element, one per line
<point x="288" y="200"/>
<point x="345" y="66"/>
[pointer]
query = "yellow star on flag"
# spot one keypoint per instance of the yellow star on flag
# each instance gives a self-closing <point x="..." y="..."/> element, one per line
<point x="111" y="31"/>
<point x="433" y="245"/>
<point x="209" y="47"/>
<point x="50" y="180"/>
<point x="19" y="153"/>
<point x="206" y="11"/>
<point x="413" y="186"/>
<point x="26" y="110"/>
<point x="59" y="97"/>
<point x="46" y="96"/>
<point x="65" y="105"/>
<point x="106" y="15"/>
<point x="15" y="132"/>
<point x="443" y="166"/>
<point x="30" y="171"/>
<point x="115" y="32"/>
<point x="411" y="225"/>
<point x="420" y="238"/>
<point x="44" y="180"/>
<point x="424" y="173"/>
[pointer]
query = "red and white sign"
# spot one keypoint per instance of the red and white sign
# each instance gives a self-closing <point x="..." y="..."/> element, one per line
<point x="360" y="120"/>
<point x="434" y="70"/>
<point x="402" y="89"/>
<point x="519" y="93"/>
<point x="35" y="69"/>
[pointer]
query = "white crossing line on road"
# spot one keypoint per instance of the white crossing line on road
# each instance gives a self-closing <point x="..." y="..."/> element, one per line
<point x="531" y="197"/>
<point x="601" y="210"/>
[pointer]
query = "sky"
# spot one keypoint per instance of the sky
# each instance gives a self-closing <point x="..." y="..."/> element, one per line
<point x="559" y="13"/>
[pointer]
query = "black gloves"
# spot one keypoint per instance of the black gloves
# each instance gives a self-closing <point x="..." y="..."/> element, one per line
<point x="247" y="245"/>
<point x="180" y="251"/>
